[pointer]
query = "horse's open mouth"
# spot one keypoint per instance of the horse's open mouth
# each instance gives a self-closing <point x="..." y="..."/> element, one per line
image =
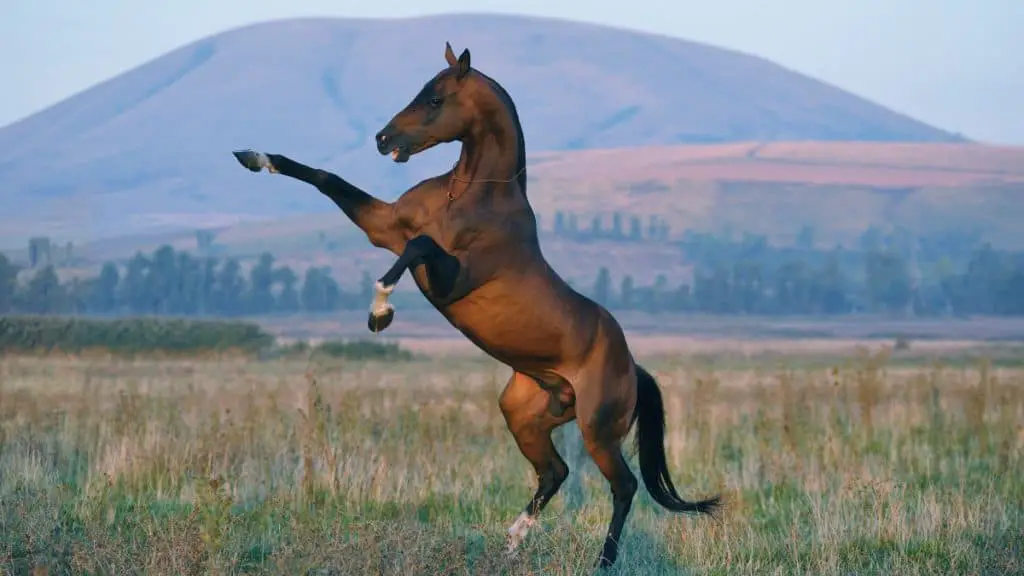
<point x="400" y="154"/>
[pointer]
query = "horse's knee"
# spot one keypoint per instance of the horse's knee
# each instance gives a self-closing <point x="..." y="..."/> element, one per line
<point x="518" y="391"/>
<point x="506" y="402"/>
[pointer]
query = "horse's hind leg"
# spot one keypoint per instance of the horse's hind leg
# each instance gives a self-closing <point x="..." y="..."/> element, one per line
<point x="609" y="459"/>
<point x="604" y="422"/>
<point x="527" y="410"/>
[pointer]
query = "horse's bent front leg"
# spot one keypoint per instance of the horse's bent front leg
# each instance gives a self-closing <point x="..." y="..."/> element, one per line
<point x="373" y="216"/>
<point x="442" y="272"/>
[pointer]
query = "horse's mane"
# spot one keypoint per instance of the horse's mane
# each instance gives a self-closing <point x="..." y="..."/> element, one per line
<point x="521" y="146"/>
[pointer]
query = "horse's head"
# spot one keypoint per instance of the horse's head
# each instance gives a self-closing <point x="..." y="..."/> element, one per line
<point x="443" y="111"/>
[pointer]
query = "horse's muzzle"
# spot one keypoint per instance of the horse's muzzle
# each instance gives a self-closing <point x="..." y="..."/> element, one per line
<point x="386" y="139"/>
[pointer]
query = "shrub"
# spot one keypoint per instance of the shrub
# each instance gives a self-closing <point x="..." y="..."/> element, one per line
<point x="364" y="350"/>
<point x="128" y="335"/>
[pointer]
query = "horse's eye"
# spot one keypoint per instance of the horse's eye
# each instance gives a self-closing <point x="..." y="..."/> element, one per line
<point x="435" y="101"/>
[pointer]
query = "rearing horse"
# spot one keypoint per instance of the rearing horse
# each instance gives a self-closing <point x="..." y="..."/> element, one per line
<point x="469" y="239"/>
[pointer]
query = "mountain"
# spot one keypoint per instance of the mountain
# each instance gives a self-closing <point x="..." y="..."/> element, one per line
<point x="149" y="150"/>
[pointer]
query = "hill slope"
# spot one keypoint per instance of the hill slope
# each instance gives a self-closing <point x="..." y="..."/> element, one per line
<point x="840" y="188"/>
<point x="774" y="189"/>
<point x="150" y="148"/>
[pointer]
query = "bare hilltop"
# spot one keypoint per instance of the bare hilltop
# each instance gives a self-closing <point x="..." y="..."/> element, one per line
<point x="611" y="117"/>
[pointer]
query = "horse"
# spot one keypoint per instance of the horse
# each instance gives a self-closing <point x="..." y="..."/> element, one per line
<point x="469" y="239"/>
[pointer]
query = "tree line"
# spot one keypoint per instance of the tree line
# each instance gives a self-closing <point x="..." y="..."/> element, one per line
<point x="946" y="274"/>
<point x="951" y="273"/>
<point x="622" y="228"/>
<point x="175" y="283"/>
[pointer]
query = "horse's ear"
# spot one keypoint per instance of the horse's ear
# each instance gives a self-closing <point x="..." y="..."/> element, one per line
<point x="449" y="55"/>
<point x="464" y="63"/>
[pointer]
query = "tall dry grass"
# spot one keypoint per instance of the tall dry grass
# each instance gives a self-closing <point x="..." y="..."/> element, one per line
<point x="234" y="466"/>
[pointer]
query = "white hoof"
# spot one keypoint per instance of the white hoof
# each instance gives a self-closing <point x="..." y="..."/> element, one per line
<point x="255" y="161"/>
<point x="517" y="532"/>
<point x="265" y="162"/>
<point x="380" y="306"/>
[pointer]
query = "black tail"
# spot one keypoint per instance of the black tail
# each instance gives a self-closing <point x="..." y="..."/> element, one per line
<point x="650" y="443"/>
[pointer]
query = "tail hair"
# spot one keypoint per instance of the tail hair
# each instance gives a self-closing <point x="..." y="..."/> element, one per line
<point x="650" y="445"/>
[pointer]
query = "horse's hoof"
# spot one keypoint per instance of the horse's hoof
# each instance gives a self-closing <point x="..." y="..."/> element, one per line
<point x="381" y="311"/>
<point x="254" y="161"/>
<point x="511" y="549"/>
<point x="378" y="322"/>
<point x="517" y="533"/>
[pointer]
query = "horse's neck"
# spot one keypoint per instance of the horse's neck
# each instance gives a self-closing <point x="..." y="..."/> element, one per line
<point x="488" y="158"/>
<point x="487" y="180"/>
<point x="493" y="152"/>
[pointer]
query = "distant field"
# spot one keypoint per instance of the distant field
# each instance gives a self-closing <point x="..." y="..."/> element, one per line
<point x="841" y="188"/>
<point x="328" y="467"/>
<point x="685" y="335"/>
<point x="882" y="165"/>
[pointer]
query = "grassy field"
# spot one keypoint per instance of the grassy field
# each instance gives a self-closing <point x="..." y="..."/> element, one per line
<point x="322" y="467"/>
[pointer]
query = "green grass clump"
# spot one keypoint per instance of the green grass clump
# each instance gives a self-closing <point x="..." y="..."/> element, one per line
<point x="137" y="335"/>
<point x="363" y="350"/>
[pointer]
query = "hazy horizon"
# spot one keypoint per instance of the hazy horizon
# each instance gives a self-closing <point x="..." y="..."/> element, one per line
<point x="956" y="67"/>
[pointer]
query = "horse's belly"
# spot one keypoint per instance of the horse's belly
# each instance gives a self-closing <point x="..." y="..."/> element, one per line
<point x="513" y="328"/>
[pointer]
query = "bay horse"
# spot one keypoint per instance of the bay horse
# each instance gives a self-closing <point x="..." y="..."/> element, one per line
<point x="469" y="239"/>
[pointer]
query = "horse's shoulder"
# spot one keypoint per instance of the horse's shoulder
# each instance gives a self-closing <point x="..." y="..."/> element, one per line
<point x="423" y="192"/>
<point x="416" y="205"/>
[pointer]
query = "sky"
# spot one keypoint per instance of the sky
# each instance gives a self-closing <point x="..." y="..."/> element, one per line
<point x="955" y="64"/>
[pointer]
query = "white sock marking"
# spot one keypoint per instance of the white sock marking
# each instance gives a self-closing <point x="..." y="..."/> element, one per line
<point x="517" y="532"/>
<point x="380" y="305"/>
<point x="264" y="162"/>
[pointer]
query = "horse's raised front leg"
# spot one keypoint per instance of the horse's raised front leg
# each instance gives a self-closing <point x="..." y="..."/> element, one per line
<point x="442" y="272"/>
<point x="373" y="216"/>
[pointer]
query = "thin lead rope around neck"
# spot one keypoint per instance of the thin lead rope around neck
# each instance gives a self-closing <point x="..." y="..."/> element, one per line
<point x="451" y="196"/>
